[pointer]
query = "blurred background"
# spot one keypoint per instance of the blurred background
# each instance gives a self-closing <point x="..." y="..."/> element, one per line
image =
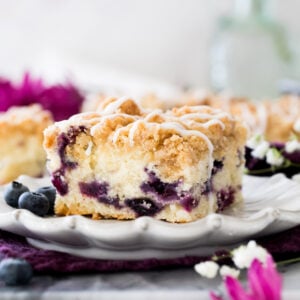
<point x="244" y="46"/>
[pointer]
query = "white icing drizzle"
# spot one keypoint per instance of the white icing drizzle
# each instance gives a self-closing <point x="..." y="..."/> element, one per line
<point x="117" y="133"/>
<point x="131" y="133"/>
<point x="202" y="116"/>
<point x="102" y="119"/>
<point x="133" y="129"/>
<point x="204" y="125"/>
<point x="213" y="122"/>
<point x="113" y="106"/>
<point x="185" y="132"/>
<point x="156" y="112"/>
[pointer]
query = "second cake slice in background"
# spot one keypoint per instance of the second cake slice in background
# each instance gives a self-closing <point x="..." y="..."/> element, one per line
<point x="21" y="139"/>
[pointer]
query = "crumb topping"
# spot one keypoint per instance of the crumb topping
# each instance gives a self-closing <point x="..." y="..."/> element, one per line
<point x="122" y="121"/>
<point x="30" y="118"/>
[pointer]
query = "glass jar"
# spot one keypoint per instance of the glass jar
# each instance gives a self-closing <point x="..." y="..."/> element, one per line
<point x="250" y="53"/>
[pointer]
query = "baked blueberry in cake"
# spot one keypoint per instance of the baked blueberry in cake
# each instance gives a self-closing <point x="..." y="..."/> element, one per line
<point x="21" y="139"/>
<point x="123" y="162"/>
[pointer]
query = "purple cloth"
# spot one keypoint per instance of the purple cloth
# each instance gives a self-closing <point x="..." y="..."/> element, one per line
<point x="283" y="245"/>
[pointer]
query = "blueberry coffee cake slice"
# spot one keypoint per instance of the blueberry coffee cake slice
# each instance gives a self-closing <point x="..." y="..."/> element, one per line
<point x="123" y="162"/>
<point x="21" y="139"/>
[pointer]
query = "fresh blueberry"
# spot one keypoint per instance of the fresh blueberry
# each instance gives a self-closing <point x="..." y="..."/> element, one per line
<point x="13" y="192"/>
<point x="15" y="271"/>
<point x="50" y="193"/>
<point x="37" y="203"/>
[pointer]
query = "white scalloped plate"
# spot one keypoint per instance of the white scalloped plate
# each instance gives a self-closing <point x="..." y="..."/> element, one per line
<point x="272" y="205"/>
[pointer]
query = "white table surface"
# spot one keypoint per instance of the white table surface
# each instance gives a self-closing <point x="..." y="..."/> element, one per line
<point x="168" y="284"/>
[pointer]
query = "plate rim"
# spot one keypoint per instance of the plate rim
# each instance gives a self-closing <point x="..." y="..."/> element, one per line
<point x="146" y="231"/>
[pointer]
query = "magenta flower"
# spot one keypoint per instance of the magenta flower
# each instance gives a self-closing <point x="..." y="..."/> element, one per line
<point x="62" y="100"/>
<point x="264" y="282"/>
<point x="29" y="90"/>
<point x="8" y="95"/>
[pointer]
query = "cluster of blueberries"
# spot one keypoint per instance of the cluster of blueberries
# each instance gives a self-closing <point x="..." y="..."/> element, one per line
<point x="16" y="271"/>
<point x="40" y="202"/>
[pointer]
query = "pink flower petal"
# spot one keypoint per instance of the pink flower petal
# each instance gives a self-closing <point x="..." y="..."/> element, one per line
<point x="235" y="290"/>
<point x="264" y="281"/>
<point x="213" y="296"/>
<point x="274" y="277"/>
<point x="256" y="281"/>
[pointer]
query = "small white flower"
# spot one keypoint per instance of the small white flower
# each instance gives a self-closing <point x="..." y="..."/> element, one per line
<point x="274" y="157"/>
<point x="228" y="271"/>
<point x="296" y="178"/>
<point x="208" y="269"/>
<point x="244" y="255"/>
<point x="292" y="146"/>
<point x="296" y="126"/>
<point x="261" y="150"/>
<point x="254" y="141"/>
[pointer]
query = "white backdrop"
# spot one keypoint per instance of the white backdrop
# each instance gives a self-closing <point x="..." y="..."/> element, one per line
<point x="163" y="39"/>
